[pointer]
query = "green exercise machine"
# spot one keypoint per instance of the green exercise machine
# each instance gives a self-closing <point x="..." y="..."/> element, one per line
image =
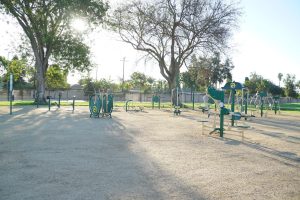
<point x="101" y="104"/>
<point x="155" y="100"/>
<point x="233" y="87"/>
<point x="219" y="96"/>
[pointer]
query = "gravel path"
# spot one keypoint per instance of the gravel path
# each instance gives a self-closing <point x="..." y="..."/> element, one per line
<point x="142" y="155"/>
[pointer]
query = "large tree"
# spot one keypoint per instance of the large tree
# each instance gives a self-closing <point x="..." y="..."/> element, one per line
<point x="171" y="30"/>
<point x="46" y="23"/>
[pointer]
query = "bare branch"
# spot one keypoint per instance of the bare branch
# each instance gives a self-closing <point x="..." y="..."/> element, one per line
<point x="171" y="30"/>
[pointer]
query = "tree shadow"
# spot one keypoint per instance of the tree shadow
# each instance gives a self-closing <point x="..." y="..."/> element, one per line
<point x="59" y="154"/>
<point x="257" y="146"/>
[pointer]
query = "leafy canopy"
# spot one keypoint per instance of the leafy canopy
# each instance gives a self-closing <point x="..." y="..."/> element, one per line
<point x="56" y="78"/>
<point x="47" y="25"/>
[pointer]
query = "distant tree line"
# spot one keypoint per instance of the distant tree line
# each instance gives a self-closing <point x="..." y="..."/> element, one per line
<point x="138" y="82"/>
<point x="202" y="72"/>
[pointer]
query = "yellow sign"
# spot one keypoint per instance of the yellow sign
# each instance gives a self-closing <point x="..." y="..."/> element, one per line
<point x="95" y="109"/>
<point x="232" y="85"/>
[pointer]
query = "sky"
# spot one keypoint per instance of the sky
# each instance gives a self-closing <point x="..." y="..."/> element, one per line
<point x="267" y="42"/>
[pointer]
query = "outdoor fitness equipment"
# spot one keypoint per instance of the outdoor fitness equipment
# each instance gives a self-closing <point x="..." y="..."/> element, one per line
<point x="262" y="96"/>
<point x="219" y="95"/>
<point x="276" y="104"/>
<point x="207" y="102"/>
<point x="129" y="106"/>
<point x="101" y="104"/>
<point x="155" y="99"/>
<point x="95" y="105"/>
<point x="57" y="102"/>
<point x="107" y="102"/>
<point x="233" y="87"/>
<point x="175" y="101"/>
<point x="260" y="99"/>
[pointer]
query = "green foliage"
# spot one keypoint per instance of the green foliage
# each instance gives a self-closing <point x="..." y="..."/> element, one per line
<point x="188" y="78"/>
<point x="105" y="85"/>
<point x="206" y="71"/>
<point x="138" y="79"/>
<point x="4" y="63"/>
<point x="71" y="53"/>
<point x="56" y="78"/>
<point x="290" y="86"/>
<point x="298" y="88"/>
<point x="17" y="67"/>
<point x="141" y="81"/>
<point x="47" y="25"/>
<point x="88" y="86"/>
<point x="258" y="83"/>
<point x="127" y="85"/>
<point x="91" y="87"/>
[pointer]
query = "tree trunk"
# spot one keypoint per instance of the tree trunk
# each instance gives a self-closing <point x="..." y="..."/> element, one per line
<point x="173" y="82"/>
<point x="40" y="76"/>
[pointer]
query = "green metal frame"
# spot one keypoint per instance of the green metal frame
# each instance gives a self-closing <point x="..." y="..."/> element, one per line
<point x="262" y="94"/>
<point x="234" y="86"/>
<point x="155" y="99"/>
<point x="107" y="105"/>
<point x="126" y="104"/>
<point x="95" y="105"/>
<point x="101" y="105"/>
<point x="276" y="103"/>
<point x="219" y="95"/>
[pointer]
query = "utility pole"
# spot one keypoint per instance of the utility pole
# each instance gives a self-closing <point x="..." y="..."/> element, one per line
<point x="123" y="60"/>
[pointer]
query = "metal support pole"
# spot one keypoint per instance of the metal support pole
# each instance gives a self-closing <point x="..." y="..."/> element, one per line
<point x="126" y="105"/>
<point x="59" y="97"/>
<point x="261" y="107"/>
<point x="49" y="103"/>
<point x="123" y="60"/>
<point x="10" y="92"/>
<point x="232" y="106"/>
<point x="10" y="103"/>
<point x="73" y="105"/>
<point x="193" y="97"/>
<point x="246" y="103"/>
<point x="177" y="96"/>
<point x="158" y="102"/>
<point x="242" y="103"/>
<point x="222" y="122"/>
<point x="153" y="102"/>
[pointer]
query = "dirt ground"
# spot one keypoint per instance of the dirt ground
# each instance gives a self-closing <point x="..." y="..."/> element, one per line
<point x="153" y="154"/>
